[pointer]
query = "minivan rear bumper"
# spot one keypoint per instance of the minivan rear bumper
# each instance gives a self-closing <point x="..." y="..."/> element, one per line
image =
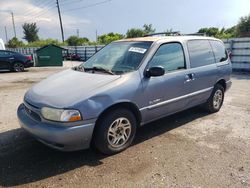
<point x="64" y="138"/>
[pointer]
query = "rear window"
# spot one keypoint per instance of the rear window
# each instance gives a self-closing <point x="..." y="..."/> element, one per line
<point x="200" y="53"/>
<point x="219" y="50"/>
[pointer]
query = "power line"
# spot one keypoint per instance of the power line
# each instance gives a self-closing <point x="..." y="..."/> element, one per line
<point x="34" y="12"/>
<point x="40" y="14"/>
<point x="70" y="2"/>
<point x="87" y="6"/>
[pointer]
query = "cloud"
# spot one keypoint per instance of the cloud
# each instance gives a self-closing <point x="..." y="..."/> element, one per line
<point x="43" y="13"/>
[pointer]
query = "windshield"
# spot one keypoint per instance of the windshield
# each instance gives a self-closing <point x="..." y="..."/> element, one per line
<point x="118" y="57"/>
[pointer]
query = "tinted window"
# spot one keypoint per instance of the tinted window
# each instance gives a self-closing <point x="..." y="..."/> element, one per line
<point x="170" y="56"/>
<point x="4" y="54"/>
<point x="219" y="50"/>
<point x="200" y="53"/>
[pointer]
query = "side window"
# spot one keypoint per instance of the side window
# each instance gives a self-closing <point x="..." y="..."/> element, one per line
<point x="4" y="54"/>
<point x="170" y="56"/>
<point x="200" y="53"/>
<point x="219" y="50"/>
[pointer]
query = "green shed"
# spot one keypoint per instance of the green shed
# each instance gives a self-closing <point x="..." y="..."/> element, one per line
<point x="49" y="55"/>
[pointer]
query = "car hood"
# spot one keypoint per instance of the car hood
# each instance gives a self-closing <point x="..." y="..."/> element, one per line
<point x="67" y="88"/>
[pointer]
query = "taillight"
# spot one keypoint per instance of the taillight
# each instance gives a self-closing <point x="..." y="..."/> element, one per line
<point x="29" y="57"/>
<point x="230" y="54"/>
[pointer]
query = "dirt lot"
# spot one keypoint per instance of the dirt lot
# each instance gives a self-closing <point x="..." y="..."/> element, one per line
<point x="189" y="149"/>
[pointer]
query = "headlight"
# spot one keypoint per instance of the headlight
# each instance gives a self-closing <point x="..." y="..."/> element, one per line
<point x="61" y="114"/>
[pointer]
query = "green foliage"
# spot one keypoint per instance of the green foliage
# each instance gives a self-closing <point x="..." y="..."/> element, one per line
<point x="243" y="27"/>
<point x="30" y="32"/>
<point x="77" y="41"/>
<point x="211" y="31"/>
<point x="137" y="32"/>
<point x="14" y="43"/>
<point x="218" y="33"/>
<point x="107" y="38"/>
<point x="44" y="42"/>
<point x="148" y="28"/>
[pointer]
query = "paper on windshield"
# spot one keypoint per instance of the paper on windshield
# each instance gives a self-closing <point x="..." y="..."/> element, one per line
<point x="137" y="50"/>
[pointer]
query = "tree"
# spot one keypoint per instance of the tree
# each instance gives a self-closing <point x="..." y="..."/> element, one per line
<point x="148" y="28"/>
<point x="76" y="41"/>
<point x="134" y="32"/>
<point x="107" y="38"/>
<point x="211" y="31"/>
<point x="219" y="33"/>
<point x="44" y="42"/>
<point x="243" y="27"/>
<point x="14" y="43"/>
<point x="137" y="32"/>
<point x="30" y="31"/>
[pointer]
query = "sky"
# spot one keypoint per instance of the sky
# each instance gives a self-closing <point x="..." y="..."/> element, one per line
<point x="104" y="16"/>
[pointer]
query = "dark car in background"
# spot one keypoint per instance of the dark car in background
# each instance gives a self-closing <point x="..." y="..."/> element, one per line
<point x="14" y="61"/>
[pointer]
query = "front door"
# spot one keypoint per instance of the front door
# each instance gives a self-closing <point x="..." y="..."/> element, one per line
<point x="166" y="94"/>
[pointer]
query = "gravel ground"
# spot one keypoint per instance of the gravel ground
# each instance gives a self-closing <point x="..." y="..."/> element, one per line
<point x="188" y="149"/>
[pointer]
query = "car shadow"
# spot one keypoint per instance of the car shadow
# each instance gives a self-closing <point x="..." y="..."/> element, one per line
<point x="24" y="160"/>
<point x="11" y="72"/>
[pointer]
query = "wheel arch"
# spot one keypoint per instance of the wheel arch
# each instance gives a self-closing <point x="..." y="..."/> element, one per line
<point x="222" y="82"/>
<point x="127" y="105"/>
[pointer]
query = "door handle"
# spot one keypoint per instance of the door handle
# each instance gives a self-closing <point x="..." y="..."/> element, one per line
<point x="189" y="77"/>
<point x="192" y="76"/>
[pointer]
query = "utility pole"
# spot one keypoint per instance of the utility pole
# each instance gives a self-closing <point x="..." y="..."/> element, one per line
<point x="6" y="36"/>
<point x="60" y="19"/>
<point x="77" y="33"/>
<point x="96" y="36"/>
<point x="13" y="22"/>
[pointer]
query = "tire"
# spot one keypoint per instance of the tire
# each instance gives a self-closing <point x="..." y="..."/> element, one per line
<point x="18" y="67"/>
<point x="216" y="99"/>
<point x="115" y="131"/>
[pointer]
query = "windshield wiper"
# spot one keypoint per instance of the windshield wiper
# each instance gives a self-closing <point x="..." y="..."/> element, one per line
<point x="99" y="69"/>
<point x="78" y="68"/>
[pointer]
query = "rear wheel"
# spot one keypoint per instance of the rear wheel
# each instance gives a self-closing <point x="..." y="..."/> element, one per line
<point x="115" y="131"/>
<point x="216" y="99"/>
<point x="18" y="67"/>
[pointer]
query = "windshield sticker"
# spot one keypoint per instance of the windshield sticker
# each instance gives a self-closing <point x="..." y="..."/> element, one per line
<point x="137" y="50"/>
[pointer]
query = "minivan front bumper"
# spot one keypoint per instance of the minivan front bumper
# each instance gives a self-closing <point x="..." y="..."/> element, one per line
<point x="64" y="138"/>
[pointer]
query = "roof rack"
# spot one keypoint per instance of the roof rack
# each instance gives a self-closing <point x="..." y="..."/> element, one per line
<point x="196" y="34"/>
<point x="174" y="33"/>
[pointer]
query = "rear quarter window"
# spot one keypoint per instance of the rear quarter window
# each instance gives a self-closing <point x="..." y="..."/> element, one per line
<point x="200" y="53"/>
<point x="219" y="50"/>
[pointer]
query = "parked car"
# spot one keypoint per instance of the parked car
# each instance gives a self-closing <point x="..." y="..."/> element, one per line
<point x="72" y="57"/>
<point x="127" y="84"/>
<point x="14" y="61"/>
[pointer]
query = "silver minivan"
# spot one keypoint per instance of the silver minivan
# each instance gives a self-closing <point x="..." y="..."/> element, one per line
<point x="127" y="84"/>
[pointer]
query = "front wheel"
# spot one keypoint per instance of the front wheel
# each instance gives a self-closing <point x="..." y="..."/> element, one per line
<point x="216" y="99"/>
<point x="115" y="131"/>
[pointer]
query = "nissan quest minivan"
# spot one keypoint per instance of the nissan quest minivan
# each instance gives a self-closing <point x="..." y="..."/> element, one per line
<point x="125" y="85"/>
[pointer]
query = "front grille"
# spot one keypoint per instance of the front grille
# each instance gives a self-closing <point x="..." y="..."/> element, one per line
<point x="32" y="114"/>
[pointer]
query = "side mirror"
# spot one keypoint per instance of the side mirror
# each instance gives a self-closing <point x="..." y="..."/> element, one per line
<point x="155" y="71"/>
